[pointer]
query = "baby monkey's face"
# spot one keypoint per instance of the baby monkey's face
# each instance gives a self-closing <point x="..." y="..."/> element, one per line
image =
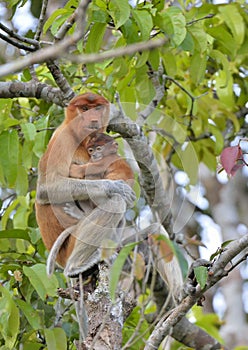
<point x="100" y="150"/>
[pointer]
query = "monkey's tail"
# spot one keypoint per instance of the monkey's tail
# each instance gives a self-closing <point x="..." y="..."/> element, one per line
<point x="56" y="248"/>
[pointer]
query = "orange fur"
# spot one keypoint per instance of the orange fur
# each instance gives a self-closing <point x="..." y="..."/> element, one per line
<point x="105" y="163"/>
<point x="84" y="114"/>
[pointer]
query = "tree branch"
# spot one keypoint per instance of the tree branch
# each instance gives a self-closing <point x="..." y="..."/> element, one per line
<point x="151" y="181"/>
<point x="34" y="89"/>
<point x="120" y="51"/>
<point x="160" y="90"/>
<point x="59" y="49"/>
<point x="16" y="43"/>
<point x="14" y="35"/>
<point x="41" y="20"/>
<point x="60" y="80"/>
<point x="53" y="52"/>
<point x="215" y="274"/>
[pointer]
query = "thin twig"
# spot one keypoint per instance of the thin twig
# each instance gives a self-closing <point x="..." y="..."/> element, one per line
<point x="211" y="15"/>
<point x="155" y="78"/>
<point x="65" y="27"/>
<point x="21" y="38"/>
<point x="16" y="43"/>
<point x="41" y="20"/>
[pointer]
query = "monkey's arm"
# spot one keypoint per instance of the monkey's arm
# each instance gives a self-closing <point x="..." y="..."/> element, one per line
<point x="90" y="171"/>
<point x="69" y="189"/>
<point x="78" y="171"/>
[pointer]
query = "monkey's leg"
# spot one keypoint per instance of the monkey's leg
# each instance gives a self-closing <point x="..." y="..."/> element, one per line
<point x="91" y="233"/>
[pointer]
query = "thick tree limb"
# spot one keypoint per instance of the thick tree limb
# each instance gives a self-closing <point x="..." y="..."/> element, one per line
<point x="151" y="181"/>
<point x="34" y="89"/>
<point x="59" y="50"/>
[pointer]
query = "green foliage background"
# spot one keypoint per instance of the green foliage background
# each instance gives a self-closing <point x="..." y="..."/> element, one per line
<point x="206" y="54"/>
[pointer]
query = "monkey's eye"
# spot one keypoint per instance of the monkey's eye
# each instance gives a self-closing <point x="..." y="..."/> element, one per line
<point x="99" y="107"/>
<point x="84" y="108"/>
<point x="90" y="150"/>
<point x="99" y="148"/>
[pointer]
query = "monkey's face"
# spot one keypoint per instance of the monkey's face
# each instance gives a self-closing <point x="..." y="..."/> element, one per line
<point x="95" y="153"/>
<point x="98" y="151"/>
<point x="90" y="110"/>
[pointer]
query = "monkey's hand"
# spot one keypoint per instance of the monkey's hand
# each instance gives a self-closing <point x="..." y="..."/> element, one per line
<point x="78" y="171"/>
<point x="123" y="189"/>
<point x="72" y="210"/>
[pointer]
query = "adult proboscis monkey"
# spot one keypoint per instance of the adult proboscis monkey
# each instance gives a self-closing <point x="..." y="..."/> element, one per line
<point x="104" y="163"/>
<point x="85" y="113"/>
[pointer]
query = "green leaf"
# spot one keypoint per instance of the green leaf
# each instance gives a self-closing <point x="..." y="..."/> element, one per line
<point x="201" y="274"/>
<point x="9" y="142"/>
<point x="9" y="318"/>
<point x="224" y="40"/>
<point x="21" y="181"/>
<point x="40" y="139"/>
<point x="224" y="89"/>
<point x="117" y="268"/>
<point x="29" y="131"/>
<point x="55" y="339"/>
<point x="53" y="17"/>
<point x="174" y="23"/>
<point x="95" y="38"/>
<point x="27" y="154"/>
<point x="206" y="153"/>
<point x="98" y="14"/>
<point x="199" y="36"/>
<point x="170" y="63"/>
<point x="198" y="67"/>
<point x="209" y="322"/>
<point x="189" y="161"/>
<point x="32" y="315"/>
<point x="222" y="60"/>
<point x="219" y="139"/>
<point x="20" y="220"/>
<point x="119" y="11"/>
<point x="234" y="21"/>
<point x="5" y="108"/>
<point x="7" y="212"/>
<point x="141" y="17"/>
<point x="42" y="284"/>
<point x="120" y="67"/>
<point x="188" y="43"/>
<point x="59" y="22"/>
<point x="130" y="327"/>
<point x="18" y="234"/>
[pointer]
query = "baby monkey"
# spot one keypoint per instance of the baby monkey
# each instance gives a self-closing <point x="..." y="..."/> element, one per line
<point x="104" y="163"/>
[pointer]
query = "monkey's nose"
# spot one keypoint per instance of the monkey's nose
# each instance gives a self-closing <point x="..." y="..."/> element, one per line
<point x="94" y="124"/>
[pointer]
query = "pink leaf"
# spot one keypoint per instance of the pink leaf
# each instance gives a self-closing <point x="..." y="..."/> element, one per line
<point x="236" y="168"/>
<point x="229" y="157"/>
